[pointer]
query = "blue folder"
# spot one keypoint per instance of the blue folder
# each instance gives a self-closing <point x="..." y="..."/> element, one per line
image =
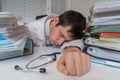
<point x="103" y="56"/>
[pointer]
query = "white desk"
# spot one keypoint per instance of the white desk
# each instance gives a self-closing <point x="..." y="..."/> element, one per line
<point x="7" y="71"/>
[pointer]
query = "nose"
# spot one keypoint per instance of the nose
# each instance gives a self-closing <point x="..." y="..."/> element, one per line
<point x="60" y="41"/>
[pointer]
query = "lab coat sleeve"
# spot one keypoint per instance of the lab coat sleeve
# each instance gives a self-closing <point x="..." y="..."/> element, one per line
<point x="78" y="43"/>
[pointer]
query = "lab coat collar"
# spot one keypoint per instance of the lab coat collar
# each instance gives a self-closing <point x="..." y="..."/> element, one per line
<point x="41" y="32"/>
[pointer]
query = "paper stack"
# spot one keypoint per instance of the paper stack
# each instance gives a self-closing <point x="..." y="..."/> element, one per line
<point x="12" y="36"/>
<point x="103" y="42"/>
<point x="105" y="13"/>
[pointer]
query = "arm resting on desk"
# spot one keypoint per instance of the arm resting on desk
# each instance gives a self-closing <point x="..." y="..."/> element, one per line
<point x="74" y="62"/>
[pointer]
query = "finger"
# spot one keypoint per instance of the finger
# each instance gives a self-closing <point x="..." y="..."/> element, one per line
<point x="88" y="62"/>
<point x="61" y="66"/>
<point x="70" y="65"/>
<point x="78" y="64"/>
<point x="84" y="63"/>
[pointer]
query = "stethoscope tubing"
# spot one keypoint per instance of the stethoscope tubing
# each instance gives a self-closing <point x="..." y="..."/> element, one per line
<point x="41" y="70"/>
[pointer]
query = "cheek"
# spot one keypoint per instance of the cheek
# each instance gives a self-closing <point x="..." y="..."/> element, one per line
<point x="53" y="36"/>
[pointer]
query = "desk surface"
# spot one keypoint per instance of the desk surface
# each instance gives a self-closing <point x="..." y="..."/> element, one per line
<point x="7" y="71"/>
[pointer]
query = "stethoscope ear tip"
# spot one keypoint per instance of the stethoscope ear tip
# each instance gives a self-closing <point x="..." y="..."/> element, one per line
<point x="17" y="67"/>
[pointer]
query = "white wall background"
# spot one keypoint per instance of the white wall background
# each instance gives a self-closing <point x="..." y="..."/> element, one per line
<point x="29" y="9"/>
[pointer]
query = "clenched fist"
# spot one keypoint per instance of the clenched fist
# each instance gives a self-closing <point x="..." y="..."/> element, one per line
<point x="73" y="62"/>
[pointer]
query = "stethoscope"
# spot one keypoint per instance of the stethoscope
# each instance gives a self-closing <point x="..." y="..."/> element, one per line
<point x="50" y="57"/>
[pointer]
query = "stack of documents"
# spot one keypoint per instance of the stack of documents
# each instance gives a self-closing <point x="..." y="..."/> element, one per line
<point x="105" y="13"/>
<point x="104" y="51"/>
<point x="12" y="36"/>
<point x="103" y="42"/>
<point x="111" y="8"/>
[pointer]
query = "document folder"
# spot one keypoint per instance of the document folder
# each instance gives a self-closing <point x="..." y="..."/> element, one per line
<point x="93" y="30"/>
<point x="104" y="56"/>
<point x="102" y="53"/>
<point x="105" y="62"/>
<point x="104" y="44"/>
<point x="28" y="49"/>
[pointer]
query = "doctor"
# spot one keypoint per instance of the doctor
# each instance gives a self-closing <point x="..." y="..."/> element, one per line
<point x="65" y="31"/>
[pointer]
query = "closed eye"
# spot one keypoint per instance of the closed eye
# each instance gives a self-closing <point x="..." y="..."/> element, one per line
<point x="61" y="34"/>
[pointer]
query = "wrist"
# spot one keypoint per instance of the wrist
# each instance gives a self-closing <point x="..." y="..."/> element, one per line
<point x="72" y="48"/>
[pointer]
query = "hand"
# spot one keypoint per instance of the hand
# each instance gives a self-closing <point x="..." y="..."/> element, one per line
<point x="74" y="62"/>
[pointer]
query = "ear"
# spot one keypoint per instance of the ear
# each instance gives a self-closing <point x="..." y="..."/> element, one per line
<point x="56" y="20"/>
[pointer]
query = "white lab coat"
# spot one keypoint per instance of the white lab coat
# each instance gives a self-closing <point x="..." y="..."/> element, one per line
<point x="36" y="31"/>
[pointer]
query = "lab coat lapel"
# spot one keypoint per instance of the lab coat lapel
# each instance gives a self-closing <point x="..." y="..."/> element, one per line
<point x="40" y="32"/>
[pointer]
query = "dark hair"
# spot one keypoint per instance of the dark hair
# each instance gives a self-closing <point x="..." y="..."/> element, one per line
<point x="76" y="20"/>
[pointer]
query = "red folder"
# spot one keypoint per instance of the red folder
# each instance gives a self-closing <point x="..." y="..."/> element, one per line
<point x="109" y="34"/>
